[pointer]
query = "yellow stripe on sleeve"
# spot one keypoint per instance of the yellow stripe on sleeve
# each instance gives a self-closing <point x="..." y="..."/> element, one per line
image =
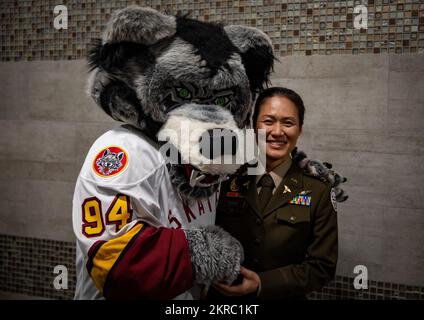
<point x="107" y="255"/>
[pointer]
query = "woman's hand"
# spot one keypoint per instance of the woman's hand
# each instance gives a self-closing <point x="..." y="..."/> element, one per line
<point x="251" y="282"/>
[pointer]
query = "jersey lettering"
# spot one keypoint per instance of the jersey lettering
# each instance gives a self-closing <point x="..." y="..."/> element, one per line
<point x="200" y="207"/>
<point x="189" y="213"/>
<point x="119" y="214"/>
<point x="92" y="225"/>
<point x="172" y="219"/>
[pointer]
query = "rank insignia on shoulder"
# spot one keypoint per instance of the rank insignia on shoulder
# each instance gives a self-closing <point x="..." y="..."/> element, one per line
<point x="301" y="200"/>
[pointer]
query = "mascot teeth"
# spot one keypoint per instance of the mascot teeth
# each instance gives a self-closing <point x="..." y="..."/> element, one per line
<point x="195" y="178"/>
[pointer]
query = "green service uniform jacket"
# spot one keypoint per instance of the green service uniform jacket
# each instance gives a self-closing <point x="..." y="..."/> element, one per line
<point x="292" y="244"/>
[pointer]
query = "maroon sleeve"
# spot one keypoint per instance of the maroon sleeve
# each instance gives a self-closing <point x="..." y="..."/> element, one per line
<point x="150" y="263"/>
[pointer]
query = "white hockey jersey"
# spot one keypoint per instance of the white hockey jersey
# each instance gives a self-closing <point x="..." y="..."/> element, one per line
<point x="128" y="220"/>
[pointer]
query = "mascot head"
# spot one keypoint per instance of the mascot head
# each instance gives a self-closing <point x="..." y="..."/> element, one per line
<point x="164" y="74"/>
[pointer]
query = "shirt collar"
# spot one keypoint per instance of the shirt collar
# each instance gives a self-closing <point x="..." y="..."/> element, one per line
<point x="277" y="174"/>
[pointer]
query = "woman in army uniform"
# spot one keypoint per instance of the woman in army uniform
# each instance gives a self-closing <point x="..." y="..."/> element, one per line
<point x="285" y="219"/>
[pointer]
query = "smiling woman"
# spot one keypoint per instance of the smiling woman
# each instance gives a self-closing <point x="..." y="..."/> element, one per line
<point x="284" y="218"/>
<point x="281" y="115"/>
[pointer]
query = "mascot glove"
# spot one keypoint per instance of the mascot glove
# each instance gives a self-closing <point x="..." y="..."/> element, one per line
<point x="322" y="170"/>
<point x="215" y="255"/>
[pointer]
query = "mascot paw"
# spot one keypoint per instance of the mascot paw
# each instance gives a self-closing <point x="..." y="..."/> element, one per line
<point x="322" y="170"/>
<point x="215" y="254"/>
<point x="340" y="194"/>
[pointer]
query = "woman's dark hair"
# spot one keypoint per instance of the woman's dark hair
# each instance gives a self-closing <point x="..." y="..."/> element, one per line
<point x="283" y="92"/>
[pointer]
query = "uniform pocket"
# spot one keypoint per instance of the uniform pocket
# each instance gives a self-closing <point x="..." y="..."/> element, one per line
<point x="294" y="214"/>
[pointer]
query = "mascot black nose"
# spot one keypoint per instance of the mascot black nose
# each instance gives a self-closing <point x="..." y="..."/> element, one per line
<point x="218" y="142"/>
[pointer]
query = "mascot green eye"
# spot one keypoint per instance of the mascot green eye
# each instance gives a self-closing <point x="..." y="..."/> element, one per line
<point x="222" y="101"/>
<point x="183" y="93"/>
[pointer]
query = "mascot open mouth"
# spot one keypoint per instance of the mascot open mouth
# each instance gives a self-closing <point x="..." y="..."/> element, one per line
<point x="193" y="183"/>
<point x="200" y="145"/>
<point x="198" y="178"/>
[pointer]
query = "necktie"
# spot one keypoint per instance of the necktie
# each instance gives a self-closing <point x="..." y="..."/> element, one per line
<point x="265" y="194"/>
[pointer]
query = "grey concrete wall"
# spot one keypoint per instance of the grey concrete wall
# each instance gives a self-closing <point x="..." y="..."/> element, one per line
<point x="47" y="126"/>
<point x="364" y="114"/>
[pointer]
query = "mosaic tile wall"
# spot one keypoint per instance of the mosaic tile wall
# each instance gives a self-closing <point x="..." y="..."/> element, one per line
<point x="341" y="288"/>
<point x="296" y="27"/>
<point x="27" y="264"/>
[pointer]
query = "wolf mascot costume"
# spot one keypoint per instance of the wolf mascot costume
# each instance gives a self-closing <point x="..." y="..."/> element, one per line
<point x="145" y="226"/>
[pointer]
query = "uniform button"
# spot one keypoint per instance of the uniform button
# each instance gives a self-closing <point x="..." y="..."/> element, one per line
<point x="257" y="241"/>
<point x="256" y="261"/>
<point x="292" y="218"/>
<point x="258" y="221"/>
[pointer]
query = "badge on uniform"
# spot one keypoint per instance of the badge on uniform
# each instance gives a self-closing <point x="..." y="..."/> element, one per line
<point x="301" y="200"/>
<point x="305" y="192"/>
<point x="286" y="189"/>
<point x="333" y="199"/>
<point x="233" y="186"/>
<point x="233" y="194"/>
<point x="110" y="161"/>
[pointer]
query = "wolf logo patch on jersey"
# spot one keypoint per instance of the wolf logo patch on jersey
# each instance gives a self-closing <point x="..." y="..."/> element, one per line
<point x="110" y="161"/>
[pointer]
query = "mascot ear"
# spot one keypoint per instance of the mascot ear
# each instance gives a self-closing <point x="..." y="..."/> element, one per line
<point x="128" y="37"/>
<point x="256" y="52"/>
<point x="140" y="25"/>
<point x="129" y="33"/>
<point x="117" y="100"/>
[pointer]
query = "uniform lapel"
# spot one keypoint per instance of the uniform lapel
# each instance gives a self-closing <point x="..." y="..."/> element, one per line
<point x="290" y="187"/>
<point x="250" y="193"/>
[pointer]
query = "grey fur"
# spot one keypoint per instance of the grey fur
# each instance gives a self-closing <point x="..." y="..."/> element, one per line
<point x="205" y="113"/>
<point x="340" y="194"/>
<point x="97" y="80"/>
<point x="321" y="170"/>
<point x="170" y="73"/>
<point x="247" y="37"/>
<point x="182" y="60"/>
<point x="215" y="255"/>
<point x="140" y="25"/>
<point x="125" y="112"/>
<point x="317" y="168"/>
